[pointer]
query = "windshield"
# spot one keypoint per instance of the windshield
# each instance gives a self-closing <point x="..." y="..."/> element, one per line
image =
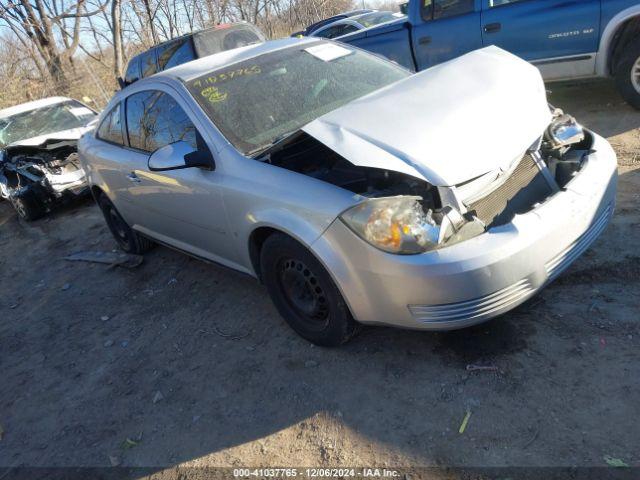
<point x="258" y="101"/>
<point x="44" y="120"/>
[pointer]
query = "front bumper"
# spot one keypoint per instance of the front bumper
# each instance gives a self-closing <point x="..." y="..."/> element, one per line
<point x="481" y="278"/>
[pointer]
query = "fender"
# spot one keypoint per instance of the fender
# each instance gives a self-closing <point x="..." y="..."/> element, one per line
<point x="279" y="219"/>
<point x="602" y="58"/>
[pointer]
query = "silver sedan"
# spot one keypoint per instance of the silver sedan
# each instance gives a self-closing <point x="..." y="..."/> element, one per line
<point x="356" y="191"/>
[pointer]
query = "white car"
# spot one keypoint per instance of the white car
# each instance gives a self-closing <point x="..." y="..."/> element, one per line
<point x="38" y="153"/>
<point x="356" y="191"/>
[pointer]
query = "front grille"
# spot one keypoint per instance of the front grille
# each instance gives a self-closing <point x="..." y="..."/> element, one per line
<point x="525" y="187"/>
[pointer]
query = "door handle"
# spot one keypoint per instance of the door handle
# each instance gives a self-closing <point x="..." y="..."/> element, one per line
<point x="492" y="27"/>
<point x="133" y="178"/>
<point x="424" y="40"/>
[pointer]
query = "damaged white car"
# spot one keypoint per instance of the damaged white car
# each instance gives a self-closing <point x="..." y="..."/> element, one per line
<point x="39" y="163"/>
<point x="356" y="191"/>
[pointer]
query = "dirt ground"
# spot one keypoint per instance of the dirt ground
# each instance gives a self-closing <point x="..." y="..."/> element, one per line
<point x="84" y="351"/>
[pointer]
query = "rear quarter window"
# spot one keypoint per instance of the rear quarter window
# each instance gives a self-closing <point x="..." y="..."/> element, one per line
<point x="110" y="130"/>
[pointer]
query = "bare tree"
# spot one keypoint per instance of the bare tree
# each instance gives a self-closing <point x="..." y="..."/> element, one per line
<point x="45" y="24"/>
<point x="116" y="31"/>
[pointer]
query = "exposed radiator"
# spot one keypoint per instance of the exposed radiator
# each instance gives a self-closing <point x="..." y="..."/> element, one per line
<point x="525" y="187"/>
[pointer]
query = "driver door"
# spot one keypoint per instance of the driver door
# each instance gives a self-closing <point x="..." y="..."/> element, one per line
<point x="181" y="207"/>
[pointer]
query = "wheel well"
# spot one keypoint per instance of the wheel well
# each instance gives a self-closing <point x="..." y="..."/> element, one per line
<point x="256" y="240"/>
<point x="625" y="34"/>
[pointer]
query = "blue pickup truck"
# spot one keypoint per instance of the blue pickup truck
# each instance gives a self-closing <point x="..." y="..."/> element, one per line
<point x="565" y="39"/>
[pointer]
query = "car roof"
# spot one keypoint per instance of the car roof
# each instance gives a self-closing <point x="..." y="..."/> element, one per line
<point x="25" y="107"/>
<point x="195" y="68"/>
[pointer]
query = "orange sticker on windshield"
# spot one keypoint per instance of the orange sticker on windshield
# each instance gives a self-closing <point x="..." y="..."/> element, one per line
<point x="213" y="94"/>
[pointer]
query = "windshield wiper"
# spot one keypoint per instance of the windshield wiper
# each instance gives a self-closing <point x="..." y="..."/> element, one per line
<point x="256" y="152"/>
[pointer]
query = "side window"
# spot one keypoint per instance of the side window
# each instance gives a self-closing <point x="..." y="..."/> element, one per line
<point x="110" y="129"/>
<point x="154" y="120"/>
<point x="348" y="29"/>
<point x="451" y="8"/>
<point x="133" y="71"/>
<point x="497" y="3"/>
<point x="148" y="63"/>
<point x="326" y="33"/>
<point x="175" y="54"/>
<point x="336" y="31"/>
<point x="435" y="9"/>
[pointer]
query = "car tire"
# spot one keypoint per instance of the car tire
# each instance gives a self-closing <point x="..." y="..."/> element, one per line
<point x="627" y="74"/>
<point x="127" y="239"/>
<point x="28" y="206"/>
<point x="304" y="293"/>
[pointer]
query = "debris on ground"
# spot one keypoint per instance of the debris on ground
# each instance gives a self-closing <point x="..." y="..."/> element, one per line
<point x="113" y="259"/>
<point x="464" y="423"/>
<point x="66" y="286"/>
<point x="222" y="334"/>
<point x="491" y="368"/>
<point x="108" y="343"/>
<point x="104" y="318"/>
<point x="532" y="439"/>
<point x="157" y="396"/>
<point x="614" y="462"/>
<point x="128" y="443"/>
<point x="114" y="460"/>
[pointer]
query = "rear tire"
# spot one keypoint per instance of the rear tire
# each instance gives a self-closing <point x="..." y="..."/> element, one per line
<point x="28" y="206"/>
<point x="304" y="293"/>
<point x="627" y="73"/>
<point x="127" y="239"/>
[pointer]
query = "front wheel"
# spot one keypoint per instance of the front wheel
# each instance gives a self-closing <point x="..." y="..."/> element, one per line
<point x="627" y="73"/>
<point x="304" y="293"/>
<point x="27" y="205"/>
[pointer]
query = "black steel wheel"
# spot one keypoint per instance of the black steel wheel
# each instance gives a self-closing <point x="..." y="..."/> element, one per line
<point x="304" y="293"/>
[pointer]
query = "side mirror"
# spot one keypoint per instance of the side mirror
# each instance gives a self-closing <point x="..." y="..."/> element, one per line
<point x="180" y="155"/>
<point x="121" y="82"/>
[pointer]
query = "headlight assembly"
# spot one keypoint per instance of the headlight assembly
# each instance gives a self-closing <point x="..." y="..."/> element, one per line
<point x="563" y="131"/>
<point x="400" y="225"/>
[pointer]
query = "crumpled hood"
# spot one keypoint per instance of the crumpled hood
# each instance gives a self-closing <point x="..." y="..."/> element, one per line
<point x="448" y="124"/>
<point x="71" y="134"/>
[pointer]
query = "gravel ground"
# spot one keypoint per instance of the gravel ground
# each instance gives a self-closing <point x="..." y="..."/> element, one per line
<point x="178" y="362"/>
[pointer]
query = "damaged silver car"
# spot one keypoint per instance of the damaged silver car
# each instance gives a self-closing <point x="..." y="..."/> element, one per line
<point x="356" y="191"/>
<point x="39" y="164"/>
